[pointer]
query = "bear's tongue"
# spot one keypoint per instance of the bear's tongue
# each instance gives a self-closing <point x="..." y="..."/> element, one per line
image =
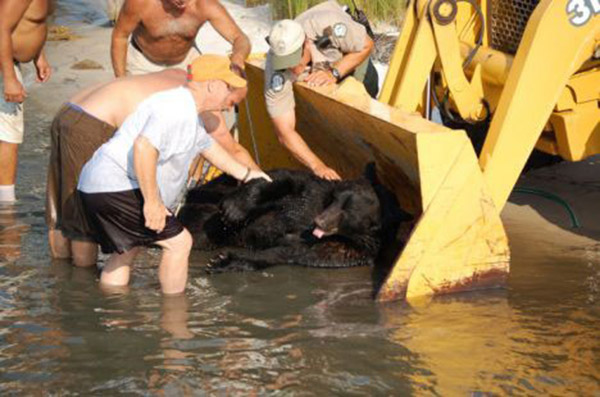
<point x="318" y="233"/>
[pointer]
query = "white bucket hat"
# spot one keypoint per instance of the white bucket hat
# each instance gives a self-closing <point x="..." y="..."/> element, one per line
<point x="286" y="40"/>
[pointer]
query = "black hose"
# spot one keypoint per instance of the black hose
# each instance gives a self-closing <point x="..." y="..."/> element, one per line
<point x="479" y="42"/>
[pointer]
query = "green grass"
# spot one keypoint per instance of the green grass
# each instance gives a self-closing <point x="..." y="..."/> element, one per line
<point x="390" y="11"/>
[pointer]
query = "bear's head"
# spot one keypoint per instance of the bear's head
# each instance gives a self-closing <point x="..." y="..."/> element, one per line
<point x="354" y="211"/>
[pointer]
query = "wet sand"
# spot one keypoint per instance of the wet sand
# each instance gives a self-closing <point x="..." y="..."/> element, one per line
<point x="533" y="221"/>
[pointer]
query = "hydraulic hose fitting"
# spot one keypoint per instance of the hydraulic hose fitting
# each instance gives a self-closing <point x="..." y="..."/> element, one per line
<point x="444" y="11"/>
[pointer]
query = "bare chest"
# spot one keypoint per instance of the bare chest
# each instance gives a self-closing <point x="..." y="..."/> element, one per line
<point x="160" y="24"/>
<point x="36" y="13"/>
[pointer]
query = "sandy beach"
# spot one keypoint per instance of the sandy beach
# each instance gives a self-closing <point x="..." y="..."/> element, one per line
<point x="84" y="59"/>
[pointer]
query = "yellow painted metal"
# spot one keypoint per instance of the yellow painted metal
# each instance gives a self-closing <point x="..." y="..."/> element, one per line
<point x="547" y="95"/>
<point x="576" y="146"/>
<point x="459" y="244"/>
<point x="488" y="74"/>
<point x="432" y="169"/>
<point x="467" y="96"/>
<point x="414" y="56"/>
<point x="468" y="24"/>
<point x="581" y="88"/>
<point x="542" y="67"/>
<point x="399" y="58"/>
<point x="495" y="65"/>
<point x="574" y="119"/>
<point x="423" y="41"/>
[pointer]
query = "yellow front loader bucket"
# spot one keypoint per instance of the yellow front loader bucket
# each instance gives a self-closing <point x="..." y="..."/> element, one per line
<point x="532" y="66"/>
<point x="459" y="242"/>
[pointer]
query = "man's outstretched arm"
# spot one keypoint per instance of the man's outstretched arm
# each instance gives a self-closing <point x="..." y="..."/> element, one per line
<point x="145" y="160"/>
<point x="42" y="67"/>
<point x="285" y="128"/>
<point x="224" y="24"/>
<point x="345" y="66"/>
<point x="128" y="19"/>
<point x="215" y="125"/>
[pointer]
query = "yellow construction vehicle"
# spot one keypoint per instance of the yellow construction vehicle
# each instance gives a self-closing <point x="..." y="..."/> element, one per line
<point x="530" y="66"/>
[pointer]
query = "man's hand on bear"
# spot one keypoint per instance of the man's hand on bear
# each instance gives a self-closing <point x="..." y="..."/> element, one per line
<point x="236" y="206"/>
<point x="324" y="172"/>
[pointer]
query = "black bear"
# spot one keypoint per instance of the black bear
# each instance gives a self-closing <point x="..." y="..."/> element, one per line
<point x="298" y="219"/>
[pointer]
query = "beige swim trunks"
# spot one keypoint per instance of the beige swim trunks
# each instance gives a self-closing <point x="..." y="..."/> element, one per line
<point x="11" y="115"/>
<point x="137" y="63"/>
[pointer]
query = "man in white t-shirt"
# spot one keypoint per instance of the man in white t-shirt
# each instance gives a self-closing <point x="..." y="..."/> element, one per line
<point x="130" y="186"/>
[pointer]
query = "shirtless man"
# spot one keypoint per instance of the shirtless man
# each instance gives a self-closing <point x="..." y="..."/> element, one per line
<point x="163" y="34"/>
<point x="22" y="37"/>
<point x="83" y="124"/>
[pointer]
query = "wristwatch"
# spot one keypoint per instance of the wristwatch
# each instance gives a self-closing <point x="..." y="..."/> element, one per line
<point x="336" y="74"/>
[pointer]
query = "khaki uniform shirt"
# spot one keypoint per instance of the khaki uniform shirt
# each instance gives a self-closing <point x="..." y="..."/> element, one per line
<point x="346" y="36"/>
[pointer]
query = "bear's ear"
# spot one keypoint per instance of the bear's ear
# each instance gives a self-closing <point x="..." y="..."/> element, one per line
<point x="402" y="216"/>
<point x="370" y="173"/>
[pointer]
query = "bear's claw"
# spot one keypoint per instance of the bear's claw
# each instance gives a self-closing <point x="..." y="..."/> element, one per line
<point x="227" y="262"/>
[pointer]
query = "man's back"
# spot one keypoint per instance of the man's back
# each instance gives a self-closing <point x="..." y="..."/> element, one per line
<point x="112" y="102"/>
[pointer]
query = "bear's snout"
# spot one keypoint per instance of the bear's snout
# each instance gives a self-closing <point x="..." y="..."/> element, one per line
<point x="327" y="222"/>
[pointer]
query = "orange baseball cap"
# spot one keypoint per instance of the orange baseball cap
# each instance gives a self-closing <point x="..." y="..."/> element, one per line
<point x="214" y="67"/>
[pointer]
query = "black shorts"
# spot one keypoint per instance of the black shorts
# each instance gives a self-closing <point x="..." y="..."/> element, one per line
<point x="118" y="221"/>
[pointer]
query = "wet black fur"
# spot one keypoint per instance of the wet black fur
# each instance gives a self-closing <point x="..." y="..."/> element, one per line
<point x="261" y="224"/>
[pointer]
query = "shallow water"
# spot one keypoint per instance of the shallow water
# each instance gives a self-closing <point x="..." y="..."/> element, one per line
<point x="286" y="330"/>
